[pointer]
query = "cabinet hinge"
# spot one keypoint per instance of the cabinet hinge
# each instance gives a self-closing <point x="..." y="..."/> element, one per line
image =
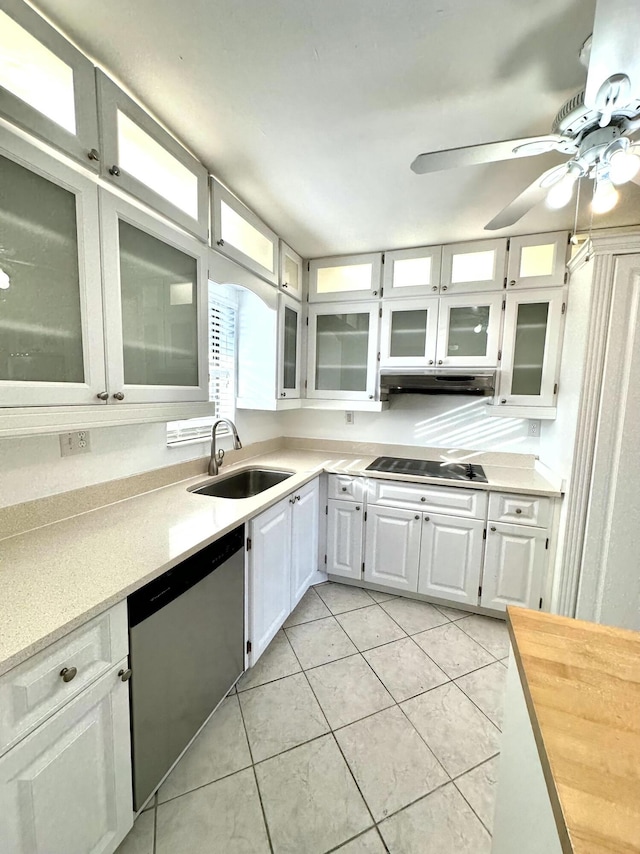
<point x="308" y="266"/>
<point x="479" y="591"/>
<point x="381" y="291"/>
<point x="546" y="545"/>
<point x="326" y="510"/>
<point x="508" y="244"/>
<point x="363" y="566"/>
<point x="307" y="321"/>
<point x="325" y="558"/>
<point x="555" y="388"/>
<point x="499" y="355"/>
<point x="504" y="304"/>
<point x="306" y="383"/>
<point x="248" y="544"/>
<point x="540" y="604"/>
<point x="365" y="515"/>
<point x="248" y="646"/>
<point x="380" y="312"/>
<point x="504" y="284"/>
<point x="564" y="307"/>
<point x="484" y="534"/>
<point x="378" y="356"/>
<point x="383" y="257"/>
<point x="566" y="278"/>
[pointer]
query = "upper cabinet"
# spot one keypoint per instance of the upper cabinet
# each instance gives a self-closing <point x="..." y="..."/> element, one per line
<point x="409" y="332"/>
<point x="142" y="158"/>
<point x="291" y="272"/>
<point x="412" y="272"/>
<point x="476" y="266"/>
<point x="469" y="331"/>
<point x="238" y="233"/>
<point x="46" y="85"/>
<point x="51" y="332"/>
<point x="538" y="260"/>
<point x="289" y="347"/>
<point x="155" y="298"/>
<point x="348" y="277"/>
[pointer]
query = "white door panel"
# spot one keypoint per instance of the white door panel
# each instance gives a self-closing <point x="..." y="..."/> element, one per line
<point x="304" y="539"/>
<point x="451" y="558"/>
<point x="514" y="566"/>
<point x="345" y="538"/>
<point x="392" y="547"/>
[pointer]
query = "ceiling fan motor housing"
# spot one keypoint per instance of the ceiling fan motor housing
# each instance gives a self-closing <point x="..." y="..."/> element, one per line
<point x="574" y="119"/>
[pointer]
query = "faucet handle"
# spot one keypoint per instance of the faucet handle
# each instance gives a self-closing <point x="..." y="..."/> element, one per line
<point x="220" y="455"/>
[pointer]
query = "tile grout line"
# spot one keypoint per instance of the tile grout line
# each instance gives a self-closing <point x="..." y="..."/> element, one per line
<point x="255" y="777"/>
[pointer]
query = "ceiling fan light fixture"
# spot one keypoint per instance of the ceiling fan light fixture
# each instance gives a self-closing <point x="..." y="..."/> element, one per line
<point x="605" y="196"/>
<point x="561" y="192"/>
<point x="624" y="165"/>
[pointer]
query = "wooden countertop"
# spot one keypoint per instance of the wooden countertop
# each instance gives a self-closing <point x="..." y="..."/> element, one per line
<point x="582" y="686"/>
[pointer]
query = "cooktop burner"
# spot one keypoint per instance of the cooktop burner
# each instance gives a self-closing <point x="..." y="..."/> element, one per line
<point x="429" y="468"/>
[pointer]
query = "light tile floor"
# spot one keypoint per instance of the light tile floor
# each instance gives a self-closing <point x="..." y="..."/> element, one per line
<point x="370" y="725"/>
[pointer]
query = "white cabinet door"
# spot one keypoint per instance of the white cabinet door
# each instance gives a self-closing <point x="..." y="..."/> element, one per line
<point x="533" y="327"/>
<point x="392" y="547"/>
<point x="476" y="266"/>
<point x="66" y="788"/>
<point x="345" y="538"/>
<point x="289" y="347"/>
<point x="514" y="566"/>
<point x="469" y="331"/>
<point x="409" y="331"/>
<point x="538" y="260"/>
<point x="412" y="272"/>
<point x="304" y="539"/>
<point x="291" y="273"/>
<point x="348" y="277"/>
<point x="343" y="348"/>
<point x="269" y="575"/>
<point x="451" y="558"/>
<point x="156" y="307"/>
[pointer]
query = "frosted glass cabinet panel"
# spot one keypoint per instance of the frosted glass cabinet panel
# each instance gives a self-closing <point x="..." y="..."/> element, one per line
<point x="142" y="158"/>
<point x="412" y="272"/>
<point x="534" y="323"/>
<point x="46" y="85"/>
<point x="538" y="260"/>
<point x="343" y="351"/>
<point x="477" y="266"/>
<point x="469" y="331"/>
<point x="409" y="332"/>
<point x="291" y="272"/>
<point x="349" y="277"/>
<point x="51" y="343"/>
<point x="156" y="303"/>
<point x="289" y="333"/>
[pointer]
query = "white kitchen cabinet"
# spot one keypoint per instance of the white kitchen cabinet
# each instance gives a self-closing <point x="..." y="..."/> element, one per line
<point x="409" y="332"/>
<point x="66" y="788"/>
<point x="469" y="331"/>
<point x="269" y="575"/>
<point x="305" y="515"/>
<point x="345" y="277"/>
<point x="534" y="323"/>
<point x="156" y="306"/>
<point x="289" y="347"/>
<point x="347" y="487"/>
<point x="514" y="566"/>
<point x="451" y="558"/>
<point x="241" y="235"/>
<point x="345" y="538"/>
<point x="392" y="547"/>
<point x="46" y="85"/>
<point x="412" y="272"/>
<point x="291" y="272"/>
<point x="476" y="266"/>
<point x="51" y="346"/>
<point x="538" y="260"/>
<point x="141" y="157"/>
<point x="343" y="348"/>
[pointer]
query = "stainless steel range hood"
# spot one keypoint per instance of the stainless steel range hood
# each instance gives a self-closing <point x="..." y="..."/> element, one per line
<point x="424" y="381"/>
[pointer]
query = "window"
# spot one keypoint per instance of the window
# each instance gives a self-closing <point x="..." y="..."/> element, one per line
<point x="223" y="315"/>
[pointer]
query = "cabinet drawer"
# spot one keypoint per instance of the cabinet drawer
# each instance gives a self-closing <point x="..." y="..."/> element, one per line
<point x="346" y="487"/>
<point x="470" y="503"/>
<point x="520" y="509"/>
<point x="35" y="689"/>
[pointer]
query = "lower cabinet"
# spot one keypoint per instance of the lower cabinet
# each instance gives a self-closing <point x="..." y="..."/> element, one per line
<point x="392" y="548"/>
<point x="345" y="538"/>
<point x="514" y="566"/>
<point x="66" y="788"/>
<point x="282" y="560"/>
<point x="451" y="558"/>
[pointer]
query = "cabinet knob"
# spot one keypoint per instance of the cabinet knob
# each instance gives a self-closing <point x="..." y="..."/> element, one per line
<point x="344" y="488"/>
<point x="220" y="242"/>
<point x="512" y="282"/>
<point x="285" y="284"/>
<point x="68" y="673"/>
<point x="423" y="498"/>
<point x="103" y="395"/>
<point x="375" y="293"/>
<point x="434" y="287"/>
<point x="503" y="400"/>
<point x="426" y="518"/>
<point x="292" y="500"/>
<point x="118" y="395"/>
<point x="297" y="498"/>
<point x="357" y="506"/>
<point x="94" y="154"/>
<point x="125" y="675"/>
<point x="439" y="361"/>
<point x="284" y="394"/>
<point x="115" y="171"/>
<point x="518" y="510"/>
<point x="493" y="529"/>
<point x="416" y="517"/>
<point x="370" y="397"/>
<point x="445" y="288"/>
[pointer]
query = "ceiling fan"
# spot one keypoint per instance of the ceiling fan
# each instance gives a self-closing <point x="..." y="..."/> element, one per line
<point x="595" y="127"/>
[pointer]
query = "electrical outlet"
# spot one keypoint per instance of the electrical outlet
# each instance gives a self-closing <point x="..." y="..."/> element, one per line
<point x="78" y="442"/>
<point x="349" y="418"/>
<point x="534" y="426"/>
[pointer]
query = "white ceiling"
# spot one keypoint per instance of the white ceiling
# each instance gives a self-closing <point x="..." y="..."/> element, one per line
<point x="312" y="110"/>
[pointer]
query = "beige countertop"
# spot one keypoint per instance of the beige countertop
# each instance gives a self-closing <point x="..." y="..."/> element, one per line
<point x="56" y="577"/>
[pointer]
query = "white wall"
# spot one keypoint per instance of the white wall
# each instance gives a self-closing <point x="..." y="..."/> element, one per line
<point x="31" y="466"/>
<point x="440" y="421"/>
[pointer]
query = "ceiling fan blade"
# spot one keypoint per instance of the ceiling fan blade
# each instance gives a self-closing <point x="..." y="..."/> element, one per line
<point x="527" y="199"/>
<point x="614" y="54"/>
<point x="490" y="152"/>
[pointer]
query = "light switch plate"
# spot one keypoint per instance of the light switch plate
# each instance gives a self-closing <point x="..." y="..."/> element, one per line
<point x="78" y="442"/>
<point x="349" y="418"/>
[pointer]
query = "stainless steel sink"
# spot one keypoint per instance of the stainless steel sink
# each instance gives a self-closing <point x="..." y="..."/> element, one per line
<point x="242" y="484"/>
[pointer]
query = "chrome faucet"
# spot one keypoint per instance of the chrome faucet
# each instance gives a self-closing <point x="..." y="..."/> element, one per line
<point x="216" y="457"/>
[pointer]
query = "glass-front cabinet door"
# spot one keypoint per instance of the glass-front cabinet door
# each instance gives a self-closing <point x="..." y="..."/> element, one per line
<point x="289" y="337"/>
<point x="469" y="331"/>
<point x="412" y="272"/>
<point x="51" y="333"/>
<point x="409" y="333"/>
<point x="348" y="277"/>
<point x="290" y="271"/>
<point x="471" y="267"/>
<point x="155" y="287"/>
<point x="343" y="351"/>
<point x="531" y="349"/>
<point x="538" y="260"/>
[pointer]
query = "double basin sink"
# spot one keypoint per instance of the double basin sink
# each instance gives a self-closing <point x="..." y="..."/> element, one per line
<point x="242" y="484"/>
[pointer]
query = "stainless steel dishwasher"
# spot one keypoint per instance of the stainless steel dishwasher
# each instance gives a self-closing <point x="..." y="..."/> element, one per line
<point x="186" y="648"/>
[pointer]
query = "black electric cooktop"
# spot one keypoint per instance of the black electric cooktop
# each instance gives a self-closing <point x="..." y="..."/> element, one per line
<point x="429" y="468"/>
